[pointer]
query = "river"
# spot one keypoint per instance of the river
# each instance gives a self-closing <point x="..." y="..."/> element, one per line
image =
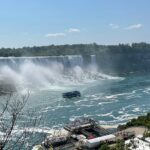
<point x="107" y="98"/>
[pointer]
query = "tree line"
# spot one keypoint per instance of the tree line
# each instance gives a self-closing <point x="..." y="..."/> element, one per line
<point x="75" y="49"/>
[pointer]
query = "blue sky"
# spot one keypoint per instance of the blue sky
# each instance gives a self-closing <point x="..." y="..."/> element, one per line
<point x="45" y="22"/>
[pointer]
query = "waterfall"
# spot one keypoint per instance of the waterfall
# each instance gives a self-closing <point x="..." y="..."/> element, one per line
<point x="93" y="60"/>
<point x="66" y="61"/>
<point x="49" y="71"/>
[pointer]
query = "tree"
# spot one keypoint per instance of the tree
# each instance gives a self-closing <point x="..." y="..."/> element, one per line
<point x="104" y="147"/>
<point x="11" y="112"/>
<point x="120" y="145"/>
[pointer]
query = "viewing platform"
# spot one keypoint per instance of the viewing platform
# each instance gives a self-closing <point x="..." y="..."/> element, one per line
<point x="84" y="133"/>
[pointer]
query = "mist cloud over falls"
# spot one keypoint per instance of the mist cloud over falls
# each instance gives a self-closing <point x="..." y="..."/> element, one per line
<point x="41" y="73"/>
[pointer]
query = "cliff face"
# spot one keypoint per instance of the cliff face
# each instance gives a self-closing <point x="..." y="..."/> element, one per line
<point x="124" y="63"/>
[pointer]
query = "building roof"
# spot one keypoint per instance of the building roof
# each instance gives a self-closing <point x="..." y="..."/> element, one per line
<point x="79" y="123"/>
<point x="102" y="138"/>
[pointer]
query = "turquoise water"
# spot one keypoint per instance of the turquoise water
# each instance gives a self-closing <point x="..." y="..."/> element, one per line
<point x="110" y="101"/>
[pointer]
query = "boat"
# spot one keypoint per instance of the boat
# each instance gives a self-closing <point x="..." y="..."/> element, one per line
<point x="71" y="94"/>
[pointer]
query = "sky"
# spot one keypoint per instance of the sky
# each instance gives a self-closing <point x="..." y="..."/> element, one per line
<point x="46" y="22"/>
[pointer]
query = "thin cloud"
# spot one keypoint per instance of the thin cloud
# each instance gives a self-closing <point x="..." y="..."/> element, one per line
<point x="61" y="34"/>
<point x="114" y="26"/>
<point x="135" y="26"/>
<point x="71" y="30"/>
<point x="54" y="35"/>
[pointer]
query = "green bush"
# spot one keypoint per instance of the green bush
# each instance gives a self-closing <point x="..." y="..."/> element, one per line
<point x="104" y="147"/>
<point x="140" y="121"/>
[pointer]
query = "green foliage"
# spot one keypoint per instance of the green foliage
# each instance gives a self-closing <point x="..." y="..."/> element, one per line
<point x="104" y="147"/>
<point x="120" y="145"/>
<point x="75" y="49"/>
<point x="146" y="134"/>
<point x="140" y="121"/>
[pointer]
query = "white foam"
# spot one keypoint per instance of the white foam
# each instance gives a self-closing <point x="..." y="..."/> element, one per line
<point x="86" y="105"/>
<point x="124" y="117"/>
<point x="52" y="76"/>
<point x="137" y="109"/>
<point x="104" y="115"/>
<point x="120" y="112"/>
<point x="103" y="103"/>
<point x="120" y="94"/>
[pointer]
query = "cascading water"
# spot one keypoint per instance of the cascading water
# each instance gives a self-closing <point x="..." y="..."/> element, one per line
<point x="93" y="60"/>
<point x="40" y="72"/>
